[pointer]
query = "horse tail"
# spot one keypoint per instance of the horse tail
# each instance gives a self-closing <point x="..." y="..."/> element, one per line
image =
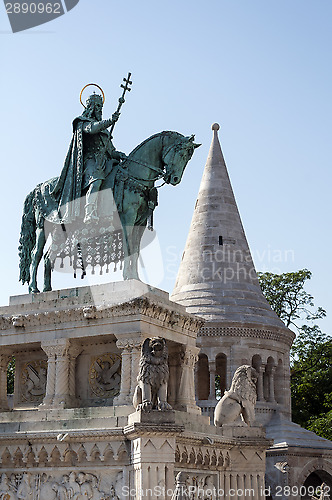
<point x="27" y="237"/>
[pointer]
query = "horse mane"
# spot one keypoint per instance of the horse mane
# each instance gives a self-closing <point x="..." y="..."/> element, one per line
<point x="164" y="133"/>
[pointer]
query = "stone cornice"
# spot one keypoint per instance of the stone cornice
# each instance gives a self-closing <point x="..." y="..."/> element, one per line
<point x="217" y="440"/>
<point x="140" y="306"/>
<point x="138" y="429"/>
<point x="297" y="451"/>
<point x="283" y="335"/>
<point x="68" y="437"/>
<point x="191" y="438"/>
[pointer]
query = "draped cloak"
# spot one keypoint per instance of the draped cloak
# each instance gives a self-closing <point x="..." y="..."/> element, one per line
<point x="59" y="200"/>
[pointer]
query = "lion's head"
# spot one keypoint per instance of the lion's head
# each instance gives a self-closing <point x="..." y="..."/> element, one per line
<point x="155" y="350"/>
<point x="244" y="384"/>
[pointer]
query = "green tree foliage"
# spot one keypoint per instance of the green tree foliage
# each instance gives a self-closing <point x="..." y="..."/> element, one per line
<point x="287" y="297"/>
<point x="311" y="353"/>
<point x="11" y="376"/>
<point x="311" y="380"/>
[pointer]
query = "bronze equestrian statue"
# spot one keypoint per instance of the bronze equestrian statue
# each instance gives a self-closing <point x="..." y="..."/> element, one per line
<point x="97" y="209"/>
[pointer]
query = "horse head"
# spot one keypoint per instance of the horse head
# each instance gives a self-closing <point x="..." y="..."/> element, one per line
<point x="175" y="158"/>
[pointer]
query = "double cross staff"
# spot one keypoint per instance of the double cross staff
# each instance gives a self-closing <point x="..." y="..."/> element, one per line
<point x="125" y="88"/>
<point x="121" y="101"/>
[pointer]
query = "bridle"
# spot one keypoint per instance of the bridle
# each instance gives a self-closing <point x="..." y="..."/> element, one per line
<point x="161" y="172"/>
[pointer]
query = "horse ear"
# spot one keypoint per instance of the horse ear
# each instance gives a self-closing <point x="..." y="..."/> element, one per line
<point x="191" y="139"/>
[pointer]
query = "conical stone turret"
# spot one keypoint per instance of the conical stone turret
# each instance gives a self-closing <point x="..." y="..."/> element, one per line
<point x="217" y="280"/>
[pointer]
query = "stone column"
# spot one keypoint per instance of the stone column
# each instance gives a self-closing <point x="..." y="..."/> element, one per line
<point x="62" y="375"/>
<point x="4" y="360"/>
<point x="186" y="393"/>
<point x="271" y="384"/>
<point x="261" y="486"/>
<point x="61" y="393"/>
<point x="73" y="352"/>
<point x="260" y="389"/>
<point x="123" y="397"/>
<point x="247" y="481"/>
<point x="50" y="350"/>
<point x="254" y="485"/>
<point x="227" y="482"/>
<point x="212" y="370"/>
<point x="130" y="356"/>
<point x="233" y="487"/>
<point x="135" y="358"/>
<point x="240" y="486"/>
<point x="196" y="379"/>
<point x="174" y="362"/>
<point x="60" y="386"/>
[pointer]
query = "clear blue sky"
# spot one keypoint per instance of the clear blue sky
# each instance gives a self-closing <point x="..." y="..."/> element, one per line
<point x="261" y="68"/>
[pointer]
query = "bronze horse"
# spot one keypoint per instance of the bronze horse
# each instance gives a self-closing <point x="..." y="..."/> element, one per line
<point x="161" y="156"/>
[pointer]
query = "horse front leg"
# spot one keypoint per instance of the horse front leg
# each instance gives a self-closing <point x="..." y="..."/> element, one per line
<point x="47" y="274"/>
<point x="130" y="261"/>
<point x="36" y="256"/>
<point x="137" y="234"/>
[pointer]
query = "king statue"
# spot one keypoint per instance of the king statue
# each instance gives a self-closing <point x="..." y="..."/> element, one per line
<point x="90" y="158"/>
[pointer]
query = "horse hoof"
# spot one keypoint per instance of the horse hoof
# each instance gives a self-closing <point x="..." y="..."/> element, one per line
<point x="131" y="277"/>
<point x="33" y="290"/>
<point x="47" y="289"/>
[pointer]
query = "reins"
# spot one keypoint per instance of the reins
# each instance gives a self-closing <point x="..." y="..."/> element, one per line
<point x="161" y="172"/>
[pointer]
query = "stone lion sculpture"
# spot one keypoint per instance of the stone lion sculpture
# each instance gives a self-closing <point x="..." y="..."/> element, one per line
<point x="151" y="391"/>
<point x="240" y="400"/>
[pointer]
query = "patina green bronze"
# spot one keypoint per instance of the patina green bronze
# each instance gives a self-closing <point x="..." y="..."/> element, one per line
<point x="97" y="209"/>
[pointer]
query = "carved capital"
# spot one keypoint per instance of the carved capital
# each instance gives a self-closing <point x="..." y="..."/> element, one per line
<point x="56" y="348"/>
<point x="74" y="351"/>
<point x="190" y="356"/>
<point x="128" y="344"/>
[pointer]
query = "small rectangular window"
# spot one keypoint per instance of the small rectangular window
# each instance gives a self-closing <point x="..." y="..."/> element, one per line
<point x="220" y="240"/>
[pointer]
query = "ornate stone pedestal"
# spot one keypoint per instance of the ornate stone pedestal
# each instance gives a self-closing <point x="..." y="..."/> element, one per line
<point x="73" y="428"/>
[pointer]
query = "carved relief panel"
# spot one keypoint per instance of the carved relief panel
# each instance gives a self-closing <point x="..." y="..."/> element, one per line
<point x="98" y="374"/>
<point x="30" y="378"/>
<point x="105" y="375"/>
<point x="202" y="485"/>
<point x="62" y="486"/>
<point x="33" y="381"/>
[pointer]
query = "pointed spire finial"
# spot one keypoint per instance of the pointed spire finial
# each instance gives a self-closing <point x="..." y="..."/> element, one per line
<point x="215" y="126"/>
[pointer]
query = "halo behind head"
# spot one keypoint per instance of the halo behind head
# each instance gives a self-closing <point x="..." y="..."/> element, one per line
<point x="97" y="96"/>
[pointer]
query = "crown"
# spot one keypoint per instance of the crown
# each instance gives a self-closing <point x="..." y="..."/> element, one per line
<point x="93" y="99"/>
